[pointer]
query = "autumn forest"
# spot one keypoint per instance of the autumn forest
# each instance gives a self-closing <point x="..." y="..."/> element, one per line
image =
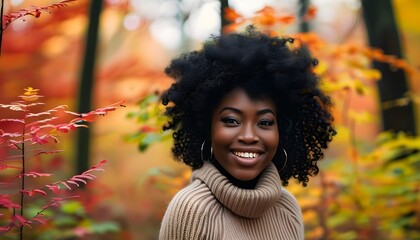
<point x="83" y="154"/>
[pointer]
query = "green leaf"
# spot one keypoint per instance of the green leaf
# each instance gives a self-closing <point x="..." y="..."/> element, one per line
<point x="65" y="221"/>
<point x="148" y="140"/>
<point x="105" y="227"/>
<point x="73" y="208"/>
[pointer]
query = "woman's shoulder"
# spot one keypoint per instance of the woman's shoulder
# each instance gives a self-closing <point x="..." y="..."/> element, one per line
<point x="195" y="194"/>
<point x="193" y="200"/>
<point x="289" y="202"/>
<point x="188" y="212"/>
<point x="289" y="207"/>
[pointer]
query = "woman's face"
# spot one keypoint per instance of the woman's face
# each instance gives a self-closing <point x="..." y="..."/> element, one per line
<point x="244" y="134"/>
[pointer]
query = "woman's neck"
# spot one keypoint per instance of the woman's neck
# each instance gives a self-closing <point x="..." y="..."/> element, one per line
<point x="249" y="184"/>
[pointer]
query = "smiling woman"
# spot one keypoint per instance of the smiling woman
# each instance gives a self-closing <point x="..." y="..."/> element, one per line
<point x="247" y="115"/>
<point x="244" y="135"/>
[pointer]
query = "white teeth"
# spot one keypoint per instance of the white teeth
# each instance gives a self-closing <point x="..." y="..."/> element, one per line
<point x="246" y="154"/>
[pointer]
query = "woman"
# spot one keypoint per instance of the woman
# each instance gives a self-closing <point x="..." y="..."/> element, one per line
<point x="247" y="115"/>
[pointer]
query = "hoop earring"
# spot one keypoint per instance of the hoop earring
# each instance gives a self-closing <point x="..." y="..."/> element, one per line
<point x="202" y="150"/>
<point x="285" y="160"/>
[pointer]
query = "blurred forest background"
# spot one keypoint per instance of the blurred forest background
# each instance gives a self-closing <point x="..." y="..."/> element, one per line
<point x="89" y="54"/>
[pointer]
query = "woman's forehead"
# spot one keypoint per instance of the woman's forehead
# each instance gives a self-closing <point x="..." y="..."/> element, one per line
<point x="239" y="98"/>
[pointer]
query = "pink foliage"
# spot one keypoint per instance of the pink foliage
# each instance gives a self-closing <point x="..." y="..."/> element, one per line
<point x="34" y="11"/>
<point x="38" y="128"/>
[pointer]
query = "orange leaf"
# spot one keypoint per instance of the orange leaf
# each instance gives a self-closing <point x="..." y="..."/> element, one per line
<point x="267" y="10"/>
<point x="311" y="13"/>
<point x="232" y="27"/>
<point x="231" y="15"/>
<point x="286" y="19"/>
<point x="265" y="20"/>
<point x="37" y="13"/>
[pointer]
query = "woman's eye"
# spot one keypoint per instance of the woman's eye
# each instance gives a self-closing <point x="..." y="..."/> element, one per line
<point x="230" y="121"/>
<point x="266" y="123"/>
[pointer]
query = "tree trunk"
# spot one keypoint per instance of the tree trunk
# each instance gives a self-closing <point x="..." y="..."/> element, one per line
<point x="223" y="21"/>
<point x="86" y="85"/>
<point x="383" y="33"/>
<point x="1" y="24"/>
<point x="303" y="23"/>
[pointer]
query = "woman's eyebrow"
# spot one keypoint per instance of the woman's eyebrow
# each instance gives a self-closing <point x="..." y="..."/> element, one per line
<point x="264" y="111"/>
<point x="231" y="109"/>
<point x="259" y="112"/>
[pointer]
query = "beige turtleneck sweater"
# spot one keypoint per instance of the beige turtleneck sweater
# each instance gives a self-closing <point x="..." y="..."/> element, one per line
<point x="211" y="207"/>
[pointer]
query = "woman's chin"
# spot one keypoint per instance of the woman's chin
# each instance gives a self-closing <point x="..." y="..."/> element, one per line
<point x="245" y="175"/>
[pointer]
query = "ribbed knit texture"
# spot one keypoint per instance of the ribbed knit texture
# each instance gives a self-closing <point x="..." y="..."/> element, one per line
<point x="211" y="207"/>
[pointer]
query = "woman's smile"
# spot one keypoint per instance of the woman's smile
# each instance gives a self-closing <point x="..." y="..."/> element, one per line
<point x="246" y="154"/>
<point x="244" y="134"/>
<point x="246" y="159"/>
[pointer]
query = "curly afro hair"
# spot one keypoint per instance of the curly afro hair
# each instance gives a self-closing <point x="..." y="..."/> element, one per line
<point x="263" y="66"/>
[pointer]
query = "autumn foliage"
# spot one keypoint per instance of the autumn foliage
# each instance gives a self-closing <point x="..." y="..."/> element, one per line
<point x="27" y="138"/>
<point x="34" y="11"/>
<point x="365" y="190"/>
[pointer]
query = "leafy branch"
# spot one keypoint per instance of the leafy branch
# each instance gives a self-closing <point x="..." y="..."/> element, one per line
<point x="7" y="19"/>
<point x="38" y="128"/>
<point x="33" y="11"/>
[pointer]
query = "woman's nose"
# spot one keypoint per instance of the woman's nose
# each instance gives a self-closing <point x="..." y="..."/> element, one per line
<point x="248" y="134"/>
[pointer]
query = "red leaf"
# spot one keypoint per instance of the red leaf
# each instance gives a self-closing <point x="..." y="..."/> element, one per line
<point x="21" y="220"/>
<point x="5" y="229"/>
<point x="14" y="107"/>
<point x="4" y="167"/>
<point x="40" y="192"/>
<point x="65" y="128"/>
<point x="39" y="139"/>
<point x="7" y="203"/>
<point x="36" y="174"/>
<point x="87" y="176"/>
<point x="48" y="152"/>
<point x="72" y="182"/>
<point x="90" y="116"/>
<point x="11" y="125"/>
<point x="31" y="193"/>
<point x="48" y="112"/>
<point x="67" y="186"/>
<point x="42" y="122"/>
<point x="13" y="120"/>
<point x="98" y="166"/>
<point x="77" y="179"/>
<point x="10" y="135"/>
<point x="39" y="219"/>
<point x="54" y="188"/>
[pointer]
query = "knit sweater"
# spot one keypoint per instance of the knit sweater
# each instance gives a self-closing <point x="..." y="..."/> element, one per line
<point x="211" y="207"/>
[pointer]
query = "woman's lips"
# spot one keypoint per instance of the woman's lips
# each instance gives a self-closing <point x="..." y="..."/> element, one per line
<point x="246" y="158"/>
<point x="246" y="154"/>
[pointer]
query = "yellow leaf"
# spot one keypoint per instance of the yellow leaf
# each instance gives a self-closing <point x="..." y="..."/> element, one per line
<point x="396" y="103"/>
<point x="343" y="134"/>
<point x="29" y="98"/>
<point x="360" y="88"/>
<point x="362" y="117"/>
<point x="321" y="68"/>
<point x="373" y="74"/>
<point x="30" y="91"/>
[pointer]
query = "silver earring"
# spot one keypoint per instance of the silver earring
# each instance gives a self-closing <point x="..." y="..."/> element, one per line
<point x="285" y="160"/>
<point x="202" y="150"/>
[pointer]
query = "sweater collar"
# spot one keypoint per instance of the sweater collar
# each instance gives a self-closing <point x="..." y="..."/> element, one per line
<point x="250" y="203"/>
